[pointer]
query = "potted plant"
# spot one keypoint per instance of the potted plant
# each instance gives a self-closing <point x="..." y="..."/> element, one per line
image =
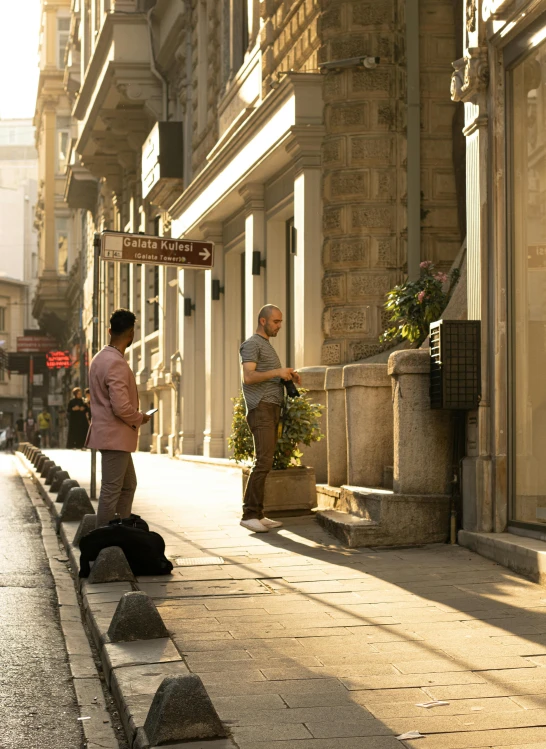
<point x="290" y="487"/>
<point x="413" y="305"/>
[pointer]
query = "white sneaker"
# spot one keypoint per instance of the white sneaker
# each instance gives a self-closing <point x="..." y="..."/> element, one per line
<point x="253" y="525"/>
<point x="270" y="523"/>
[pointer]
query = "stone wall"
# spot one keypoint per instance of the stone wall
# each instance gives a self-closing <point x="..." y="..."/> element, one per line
<point x="364" y="160"/>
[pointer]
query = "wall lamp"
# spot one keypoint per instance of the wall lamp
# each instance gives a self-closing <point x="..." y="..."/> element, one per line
<point x="216" y="290"/>
<point x="188" y="306"/>
<point x="153" y="300"/>
<point x="337" y="66"/>
<point x="257" y="263"/>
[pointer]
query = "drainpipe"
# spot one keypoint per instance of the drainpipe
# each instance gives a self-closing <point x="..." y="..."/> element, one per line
<point x="188" y="126"/>
<point x="413" y="139"/>
<point x="155" y="70"/>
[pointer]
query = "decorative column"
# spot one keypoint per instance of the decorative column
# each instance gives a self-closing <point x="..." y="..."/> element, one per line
<point x="186" y="440"/>
<point x="336" y="427"/>
<point x="469" y="84"/>
<point x="305" y="150"/>
<point x="214" y="442"/>
<point x="253" y="195"/>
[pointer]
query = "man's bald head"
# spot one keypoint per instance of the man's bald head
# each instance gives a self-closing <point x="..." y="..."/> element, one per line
<point x="269" y="320"/>
<point x="266" y="312"/>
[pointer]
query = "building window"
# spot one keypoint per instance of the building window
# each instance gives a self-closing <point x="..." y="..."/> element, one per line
<point x="62" y="246"/>
<point x="527" y="121"/>
<point x="63" y="33"/>
<point x="63" y="146"/>
<point x="3" y="319"/>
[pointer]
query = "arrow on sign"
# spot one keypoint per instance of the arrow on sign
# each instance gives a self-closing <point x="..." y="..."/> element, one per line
<point x="205" y="254"/>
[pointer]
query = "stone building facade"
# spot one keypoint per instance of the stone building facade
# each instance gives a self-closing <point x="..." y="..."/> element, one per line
<point x="295" y="146"/>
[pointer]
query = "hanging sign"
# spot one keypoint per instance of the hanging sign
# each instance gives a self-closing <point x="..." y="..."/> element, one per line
<point x="141" y="248"/>
<point x="58" y="360"/>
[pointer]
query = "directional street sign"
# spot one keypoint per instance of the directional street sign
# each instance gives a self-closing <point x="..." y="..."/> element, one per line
<point x="141" y="248"/>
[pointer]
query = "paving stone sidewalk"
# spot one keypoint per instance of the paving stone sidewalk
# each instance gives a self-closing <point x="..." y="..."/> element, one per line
<point x="305" y="644"/>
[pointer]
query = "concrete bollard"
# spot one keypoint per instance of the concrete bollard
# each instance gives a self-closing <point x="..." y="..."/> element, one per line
<point x="66" y="486"/>
<point x="181" y="711"/>
<point x="368" y="398"/>
<point x="45" y="468"/>
<point x="316" y="454"/>
<point x="53" y="471"/>
<point x="36" y="457"/>
<point x="111" y="566"/>
<point x="57" y="482"/>
<point x="422" y="436"/>
<point x="76" y="505"/>
<point x="136" y="618"/>
<point x="87" y="524"/>
<point x="336" y="429"/>
<point x="40" y="463"/>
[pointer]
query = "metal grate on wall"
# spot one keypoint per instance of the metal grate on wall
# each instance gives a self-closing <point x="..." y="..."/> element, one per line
<point x="455" y="371"/>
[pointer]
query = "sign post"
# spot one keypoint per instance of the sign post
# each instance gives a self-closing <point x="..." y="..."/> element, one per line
<point x="123" y="247"/>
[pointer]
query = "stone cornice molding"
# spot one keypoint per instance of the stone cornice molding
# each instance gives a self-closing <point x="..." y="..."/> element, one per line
<point x="470" y="75"/>
<point x="305" y="147"/>
<point x="212" y="231"/>
<point x="253" y="196"/>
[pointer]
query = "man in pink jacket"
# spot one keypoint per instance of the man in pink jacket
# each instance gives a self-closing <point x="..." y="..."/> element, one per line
<point x="115" y="419"/>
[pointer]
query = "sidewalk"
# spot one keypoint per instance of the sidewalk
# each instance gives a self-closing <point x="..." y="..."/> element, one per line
<point x="305" y="644"/>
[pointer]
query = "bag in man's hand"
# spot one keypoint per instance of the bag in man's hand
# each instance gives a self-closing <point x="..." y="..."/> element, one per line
<point x="144" y="549"/>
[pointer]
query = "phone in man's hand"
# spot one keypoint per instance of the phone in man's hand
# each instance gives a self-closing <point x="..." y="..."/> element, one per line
<point x="152" y="411"/>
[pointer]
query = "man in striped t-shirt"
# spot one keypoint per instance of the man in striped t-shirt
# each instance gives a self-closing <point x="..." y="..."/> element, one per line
<point x="264" y="396"/>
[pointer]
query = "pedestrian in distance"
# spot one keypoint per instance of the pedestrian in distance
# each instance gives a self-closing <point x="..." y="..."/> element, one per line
<point x="263" y="391"/>
<point x="44" y="427"/>
<point x="20" y="427"/>
<point x="87" y="399"/>
<point x="115" y="419"/>
<point x="77" y="421"/>
<point x="30" y="427"/>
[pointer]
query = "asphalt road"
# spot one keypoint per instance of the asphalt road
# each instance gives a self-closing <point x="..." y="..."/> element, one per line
<point x="38" y="708"/>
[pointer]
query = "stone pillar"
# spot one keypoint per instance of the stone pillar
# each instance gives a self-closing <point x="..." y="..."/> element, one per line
<point x="187" y="442"/>
<point x="422" y="436"/>
<point x="214" y="442"/>
<point x="307" y="260"/>
<point x="316" y="455"/>
<point x="369" y="423"/>
<point x="336" y="427"/>
<point x="253" y="195"/>
<point x="49" y="257"/>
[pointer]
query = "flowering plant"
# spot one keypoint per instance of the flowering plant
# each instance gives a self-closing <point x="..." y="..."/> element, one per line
<point x="300" y="424"/>
<point x="413" y="305"/>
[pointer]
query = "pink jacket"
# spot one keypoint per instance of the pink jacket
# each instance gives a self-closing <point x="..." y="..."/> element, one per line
<point x="115" y="418"/>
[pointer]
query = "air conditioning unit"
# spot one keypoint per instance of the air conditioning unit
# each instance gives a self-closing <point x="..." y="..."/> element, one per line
<point x="455" y="365"/>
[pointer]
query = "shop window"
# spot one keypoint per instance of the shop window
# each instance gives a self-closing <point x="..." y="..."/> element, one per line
<point x="527" y="120"/>
<point x="63" y="34"/>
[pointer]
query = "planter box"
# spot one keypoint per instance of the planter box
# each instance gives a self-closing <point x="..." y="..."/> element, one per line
<point x="288" y="491"/>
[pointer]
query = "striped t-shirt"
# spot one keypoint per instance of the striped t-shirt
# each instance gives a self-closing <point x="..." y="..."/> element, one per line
<point x="258" y="349"/>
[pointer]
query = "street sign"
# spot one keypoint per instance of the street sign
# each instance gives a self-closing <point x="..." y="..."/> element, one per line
<point x="142" y="248"/>
<point x="35" y="344"/>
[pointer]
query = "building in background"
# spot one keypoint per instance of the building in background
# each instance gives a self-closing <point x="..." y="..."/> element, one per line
<point x="301" y="155"/>
<point x="18" y="253"/>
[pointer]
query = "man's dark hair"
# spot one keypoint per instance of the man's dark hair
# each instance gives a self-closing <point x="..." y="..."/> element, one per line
<point x="121" y="321"/>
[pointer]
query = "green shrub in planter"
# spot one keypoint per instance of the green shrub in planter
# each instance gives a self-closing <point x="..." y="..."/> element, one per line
<point x="300" y="424"/>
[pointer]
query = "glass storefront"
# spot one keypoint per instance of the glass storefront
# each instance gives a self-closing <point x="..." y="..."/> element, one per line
<point x="527" y="112"/>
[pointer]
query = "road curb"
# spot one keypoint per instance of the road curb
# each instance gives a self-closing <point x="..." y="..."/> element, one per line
<point x="153" y="660"/>
<point x="97" y="726"/>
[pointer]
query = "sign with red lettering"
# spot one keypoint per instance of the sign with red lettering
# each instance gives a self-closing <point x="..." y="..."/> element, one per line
<point x="140" y="248"/>
<point x="58" y="360"/>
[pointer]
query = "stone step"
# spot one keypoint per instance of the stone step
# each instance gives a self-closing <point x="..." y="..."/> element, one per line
<point x="350" y="529"/>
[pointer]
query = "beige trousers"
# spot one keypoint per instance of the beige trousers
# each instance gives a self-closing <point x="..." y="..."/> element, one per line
<point x="118" y="486"/>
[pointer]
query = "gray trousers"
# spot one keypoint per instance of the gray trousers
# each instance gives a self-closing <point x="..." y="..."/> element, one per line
<point x="118" y="486"/>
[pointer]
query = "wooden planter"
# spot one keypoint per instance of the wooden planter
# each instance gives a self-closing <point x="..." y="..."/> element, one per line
<point x="289" y="491"/>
